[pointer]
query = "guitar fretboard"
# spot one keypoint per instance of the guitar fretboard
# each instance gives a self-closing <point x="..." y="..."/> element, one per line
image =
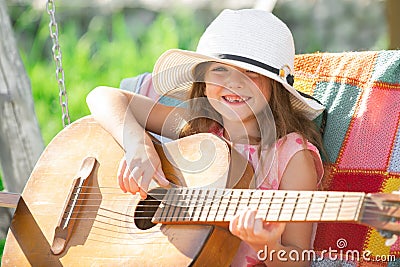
<point x="221" y="205"/>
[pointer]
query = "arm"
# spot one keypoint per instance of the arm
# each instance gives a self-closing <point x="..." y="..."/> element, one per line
<point x="300" y="174"/>
<point x="125" y="116"/>
<point x="118" y="111"/>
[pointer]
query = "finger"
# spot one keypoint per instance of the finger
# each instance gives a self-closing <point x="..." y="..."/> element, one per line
<point x="144" y="183"/>
<point x="160" y="177"/>
<point x="133" y="179"/>
<point x="233" y="225"/>
<point x="248" y="222"/>
<point x="125" y="178"/>
<point x="258" y="227"/>
<point x="120" y="174"/>
<point x="241" y="219"/>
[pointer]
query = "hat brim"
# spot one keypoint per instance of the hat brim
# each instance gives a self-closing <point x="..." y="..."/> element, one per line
<point x="173" y="76"/>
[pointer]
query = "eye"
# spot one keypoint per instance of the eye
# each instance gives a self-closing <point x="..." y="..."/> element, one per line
<point x="219" y="68"/>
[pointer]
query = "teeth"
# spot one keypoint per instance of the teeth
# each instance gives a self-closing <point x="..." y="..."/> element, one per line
<point x="236" y="99"/>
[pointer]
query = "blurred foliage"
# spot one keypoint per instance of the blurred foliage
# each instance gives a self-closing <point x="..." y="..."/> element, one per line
<point x="101" y="51"/>
<point x="2" y="242"/>
<point x="335" y="26"/>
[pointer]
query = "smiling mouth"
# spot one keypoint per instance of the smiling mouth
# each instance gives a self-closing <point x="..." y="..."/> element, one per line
<point x="235" y="98"/>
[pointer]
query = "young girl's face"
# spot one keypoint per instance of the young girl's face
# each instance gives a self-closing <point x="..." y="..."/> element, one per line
<point x="236" y="93"/>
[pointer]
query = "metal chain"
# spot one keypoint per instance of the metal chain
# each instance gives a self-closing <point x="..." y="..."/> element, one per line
<point x="57" y="56"/>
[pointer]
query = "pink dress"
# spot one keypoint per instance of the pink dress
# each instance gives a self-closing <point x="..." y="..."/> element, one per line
<point x="285" y="149"/>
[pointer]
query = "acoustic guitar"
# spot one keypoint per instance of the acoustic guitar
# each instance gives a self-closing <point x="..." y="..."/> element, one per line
<point x="72" y="212"/>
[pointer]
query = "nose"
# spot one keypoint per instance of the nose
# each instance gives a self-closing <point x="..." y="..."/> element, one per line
<point x="235" y="80"/>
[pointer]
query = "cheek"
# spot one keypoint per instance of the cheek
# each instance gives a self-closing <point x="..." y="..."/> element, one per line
<point x="212" y="90"/>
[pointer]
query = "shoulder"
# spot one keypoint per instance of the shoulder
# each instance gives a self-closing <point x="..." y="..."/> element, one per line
<point x="299" y="160"/>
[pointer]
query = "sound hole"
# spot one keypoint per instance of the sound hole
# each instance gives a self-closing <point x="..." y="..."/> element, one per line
<point x="146" y="208"/>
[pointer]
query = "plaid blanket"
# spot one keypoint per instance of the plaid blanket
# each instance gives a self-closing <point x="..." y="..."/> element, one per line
<point x="361" y="91"/>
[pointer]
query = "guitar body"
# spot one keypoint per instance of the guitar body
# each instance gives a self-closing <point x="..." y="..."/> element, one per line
<point x="104" y="232"/>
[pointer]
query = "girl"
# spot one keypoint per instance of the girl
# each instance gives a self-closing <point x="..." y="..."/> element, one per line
<point x="242" y="68"/>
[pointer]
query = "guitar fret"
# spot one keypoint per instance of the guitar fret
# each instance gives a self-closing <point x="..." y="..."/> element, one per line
<point x="288" y="207"/>
<point x="173" y="204"/>
<point x="316" y="206"/>
<point x="219" y="216"/>
<point x="361" y="198"/>
<point x="202" y="201"/>
<point x="205" y="207"/>
<point x="295" y="205"/>
<point x="231" y="211"/>
<point x="197" y="207"/>
<point x="226" y="202"/>
<point x="340" y="206"/>
<point x="176" y="214"/>
<point x="323" y="213"/>
<point x="281" y="207"/>
<point x="350" y="207"/>
<point x="165" y="207"/>
<point x="257" y="196"/>
<point x="190" y="209"/>
<point x="238" y="203"/>
<point x="215" y="204"/>
<point x="303" y="202"/>
<point x="243" y="204"/>
<point x="184" y="206"/>
<point x="247" y="195"/>
<point x="331" y="207"/>
<point x="276" y="206"/>
<point x="265" y="204"/>
<point x="309" y="206"/>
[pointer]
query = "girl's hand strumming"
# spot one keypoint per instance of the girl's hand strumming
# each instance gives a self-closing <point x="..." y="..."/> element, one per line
<point x="139" y="165"/>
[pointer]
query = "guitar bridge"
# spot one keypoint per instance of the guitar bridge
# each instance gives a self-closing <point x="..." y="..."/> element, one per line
<point x="72" y="205"/>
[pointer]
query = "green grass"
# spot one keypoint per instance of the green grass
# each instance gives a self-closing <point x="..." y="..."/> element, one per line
<point x="2" y="243"/>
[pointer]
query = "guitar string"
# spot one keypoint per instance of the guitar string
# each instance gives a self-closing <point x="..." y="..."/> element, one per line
<point x="201" y="202"/>
<point x="368" y="202"/>
<point x="346" y="200"/>
<point x="372" y="213"/>
<point x="276" y="193"/>
<point x="371" y="203"/>
<point x="371" y="217"/>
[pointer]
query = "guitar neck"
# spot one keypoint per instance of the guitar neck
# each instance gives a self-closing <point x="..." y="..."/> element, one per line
<point x="185" y="205"/>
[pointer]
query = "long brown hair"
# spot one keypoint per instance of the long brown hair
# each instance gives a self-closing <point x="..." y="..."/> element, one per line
<point x="288" y="119"/>
<point x="199" y="106"/>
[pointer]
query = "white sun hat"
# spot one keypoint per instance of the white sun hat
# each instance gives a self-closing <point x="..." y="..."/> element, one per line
<point x="251" y="39"/>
